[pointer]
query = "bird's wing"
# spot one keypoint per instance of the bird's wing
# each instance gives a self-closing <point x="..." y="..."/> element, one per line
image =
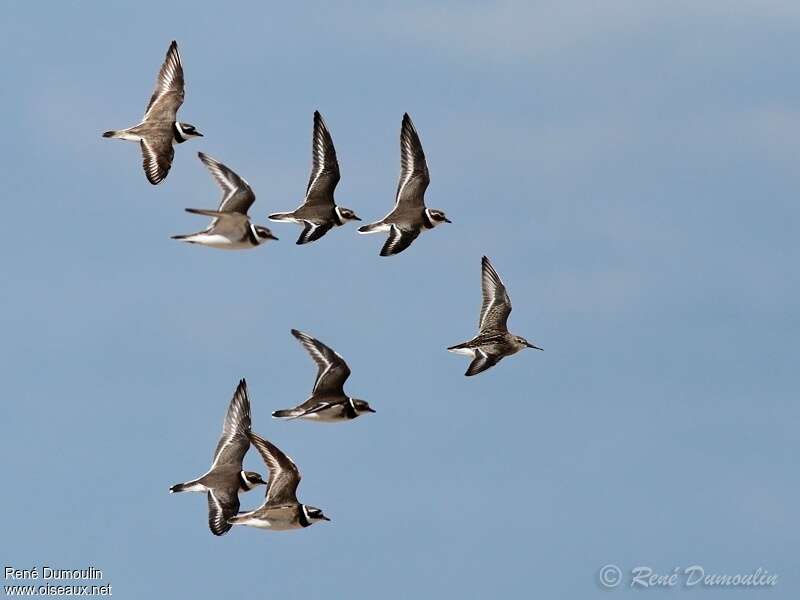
<point x="222" y="505"/>
<point x="313" y="231"/>
<point x="237" y="195"/>
<point x="481" y="362"/>
<point x="324" y="166"/>
<point x="169" y="92"/>
<point x="332" y="370"/>
<point x="496" y="304"/>
<point x="309" y="407"/>
<point x="229" y="224"/>
<point x="414" y="176"/>
<point x="398" y="240"/>
<point x="233" y="443"/>
<point x="284" y="476"/>
<point x="157" y="154"/>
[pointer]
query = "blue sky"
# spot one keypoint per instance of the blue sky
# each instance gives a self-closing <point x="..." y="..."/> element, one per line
<point x="630" y="169"/>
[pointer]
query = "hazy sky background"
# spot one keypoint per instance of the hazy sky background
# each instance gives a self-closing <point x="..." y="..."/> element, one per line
<point x="630" y="168"/>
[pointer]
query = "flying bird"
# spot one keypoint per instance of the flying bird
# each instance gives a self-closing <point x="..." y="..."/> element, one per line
<point x="231" y="228"/>
<point x="281" y="509"/>
<point x="493" y="342"/>
<point x="328" y="402"/>
<point x="160" y="129"/>
<point x="225" y="479"/>
<point x="319" y="213"/>
<point x="410" y="216"/>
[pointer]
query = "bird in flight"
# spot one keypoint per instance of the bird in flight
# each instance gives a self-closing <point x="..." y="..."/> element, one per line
<point x="410" y="216"/>
<point x="230" y="228"/>
<point x="493" y="342"/>
<point x="281" y="510"/>
<point x="225" y="479"/>
<point x="160" y="129"/>
<point x="328" y="402"/>
<point x="319" y="213"/>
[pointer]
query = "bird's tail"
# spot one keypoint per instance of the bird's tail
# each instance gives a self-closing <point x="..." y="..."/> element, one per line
<point x="285" y="216"/>
<point x="286" y="414"/>
<point x="236" y="519"/>
<point x="371" y="228"/>
<point x="189" y="486"/>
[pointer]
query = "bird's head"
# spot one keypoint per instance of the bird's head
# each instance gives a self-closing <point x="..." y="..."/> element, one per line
<point x="314" y="514"/>
<point x="251" y="479"/>
<point x="345" y="214"/>
<point x="362" y="406"/>
<point x="185" y="131"/>
<point x="263" y="234"/>
<point x="521" y="342"/>
<point x="436" y="217"/>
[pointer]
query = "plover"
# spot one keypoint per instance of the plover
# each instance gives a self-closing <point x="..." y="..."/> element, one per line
<point x="410" y="216"/>
<point x="328" y="402"/>
<point x="160" y="129"/>
<point x="493" y="342"/>
<point x="225" y="479"/>
<point x="231" y="228"/>
<point x="281" y="509"/>
<point x="319" y="213"/>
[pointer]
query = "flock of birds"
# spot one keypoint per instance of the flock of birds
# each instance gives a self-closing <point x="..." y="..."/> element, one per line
<point x="231" y="228"/>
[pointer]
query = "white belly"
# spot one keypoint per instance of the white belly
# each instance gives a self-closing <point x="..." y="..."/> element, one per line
<point x="217" y="241"/>
<point x="465" y="351"/>
<point x="379" y="229"/>
<point x="327" y="415"/>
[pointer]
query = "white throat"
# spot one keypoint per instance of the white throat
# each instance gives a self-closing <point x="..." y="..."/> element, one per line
<point x="431" y="221"/>
<point x="181" y="133"/>
<point x="256" y="237"/>
<point x="247" y="484"/>
<point x="340" y="220"/>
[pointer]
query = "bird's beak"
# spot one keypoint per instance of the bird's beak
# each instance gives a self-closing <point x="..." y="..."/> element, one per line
<point x="272" y="236"/>
<point x="324" y="517"/>
<point x="446" y="220"/>
<point x="356" y="218"/>
<point x="534" y="347"/>
<point x="370" y="409"/>
<point x="198" y="134"/>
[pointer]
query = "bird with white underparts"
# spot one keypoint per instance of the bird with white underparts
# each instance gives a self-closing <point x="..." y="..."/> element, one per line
<point x="409" y="217"/>
<point x="160" y="129"/>
<point x="493" y="342"/>
<point x="230" y="228"/>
